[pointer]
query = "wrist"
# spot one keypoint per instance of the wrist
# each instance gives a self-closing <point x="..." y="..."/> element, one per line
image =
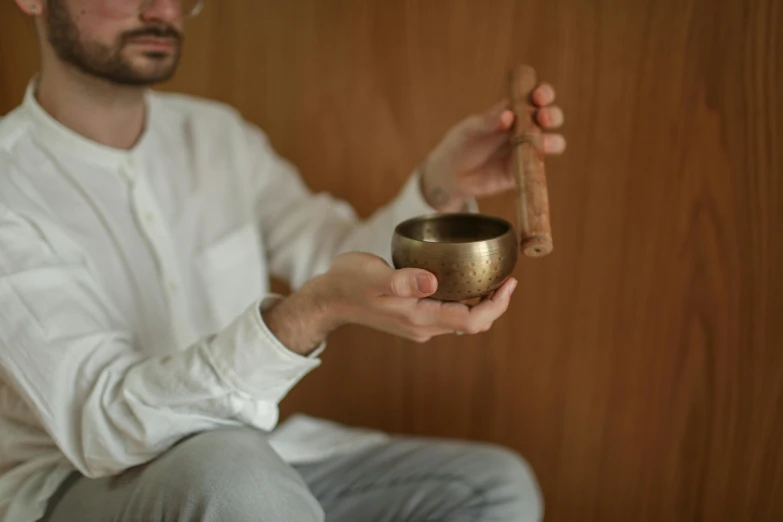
<point x="328" y="308"/>
<point x="438" y="191"/>
<point x="303" y="320"/>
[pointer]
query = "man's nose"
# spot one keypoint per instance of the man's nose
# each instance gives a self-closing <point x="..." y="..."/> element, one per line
<point x="166" y="11"/>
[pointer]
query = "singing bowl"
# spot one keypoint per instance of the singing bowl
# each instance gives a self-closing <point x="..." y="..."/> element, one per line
<point x="470" y="254"/>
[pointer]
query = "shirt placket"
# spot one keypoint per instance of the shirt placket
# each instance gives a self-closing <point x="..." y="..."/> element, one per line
<point x="150" y="219"/>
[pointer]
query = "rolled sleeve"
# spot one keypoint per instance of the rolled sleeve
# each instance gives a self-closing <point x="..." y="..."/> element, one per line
<point x="253" y="360"/>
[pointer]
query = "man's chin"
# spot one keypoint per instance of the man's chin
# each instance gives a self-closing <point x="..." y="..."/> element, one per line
<point x="138" y="79"/>
<point x="156" y="70"/>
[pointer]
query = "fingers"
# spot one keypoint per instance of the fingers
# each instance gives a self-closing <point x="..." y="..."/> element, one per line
<point x="550" y="117"/>
<point x="500" y="118"/>
<point x="396" y="301"/>
<point x="484" y="314"/>
<point x="497" y="118"/>
<point x="409" y="282"/>
<point x="544" y="94"/>
<point x="458" y="317"/>
<point x="553" y="143"/>
<point x="420" y="320"/>
<point x="498" y="108"/>
<point x="505" y="120"/>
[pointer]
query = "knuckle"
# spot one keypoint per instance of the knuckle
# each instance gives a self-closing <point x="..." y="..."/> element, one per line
<point x="472" y="327"/>
<point x="479" y="324"/>
<point x="420" y="338"/>
<point x="398" y="286"/>
<point x="413" y="319"/>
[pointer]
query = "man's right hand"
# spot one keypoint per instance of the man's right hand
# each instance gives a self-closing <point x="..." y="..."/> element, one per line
<point x="363" y="289"/>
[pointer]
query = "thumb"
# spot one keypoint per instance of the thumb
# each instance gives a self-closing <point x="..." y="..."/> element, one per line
<point x="497" y="118"/>
<point x="411" y="282"/>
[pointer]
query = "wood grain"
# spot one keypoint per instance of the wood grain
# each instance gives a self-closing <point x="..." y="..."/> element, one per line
<point x="649" y="386"/>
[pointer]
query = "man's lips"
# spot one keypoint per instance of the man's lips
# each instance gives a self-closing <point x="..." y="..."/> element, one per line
<point x="152" y="42"/>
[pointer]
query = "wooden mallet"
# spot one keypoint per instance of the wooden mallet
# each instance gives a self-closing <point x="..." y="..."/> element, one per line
<point x="532" y="198"/>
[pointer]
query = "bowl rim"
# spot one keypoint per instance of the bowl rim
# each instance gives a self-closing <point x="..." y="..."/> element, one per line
<point x="444" y="215"/>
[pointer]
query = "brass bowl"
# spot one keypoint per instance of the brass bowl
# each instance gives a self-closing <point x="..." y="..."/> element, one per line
<point x="470" y="254"/>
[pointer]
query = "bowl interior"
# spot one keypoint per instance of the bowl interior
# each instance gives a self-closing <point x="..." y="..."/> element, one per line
<point x="453" y="228"/>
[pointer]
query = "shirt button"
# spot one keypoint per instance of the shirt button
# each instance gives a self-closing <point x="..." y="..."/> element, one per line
<point x="174" y="287"/>
<point x="149" y="217"/>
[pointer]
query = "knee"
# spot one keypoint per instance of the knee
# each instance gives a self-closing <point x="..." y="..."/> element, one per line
<point x="235" y="475"/>
<point x="510" y="484"/>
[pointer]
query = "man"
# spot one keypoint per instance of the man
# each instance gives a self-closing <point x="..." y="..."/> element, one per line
<point x="142" y="357"/>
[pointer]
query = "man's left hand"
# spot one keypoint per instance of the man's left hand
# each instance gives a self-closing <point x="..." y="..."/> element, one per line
<point x="474" y="158"/>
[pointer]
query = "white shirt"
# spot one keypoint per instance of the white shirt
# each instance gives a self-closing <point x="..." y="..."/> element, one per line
<point x="131" y="284"/>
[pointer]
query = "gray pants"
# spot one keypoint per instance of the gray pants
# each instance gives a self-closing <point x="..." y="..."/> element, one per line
<point x="234" y="475"/>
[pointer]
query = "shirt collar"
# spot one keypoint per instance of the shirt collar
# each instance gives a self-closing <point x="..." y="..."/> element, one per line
<point x="55" y="134"/>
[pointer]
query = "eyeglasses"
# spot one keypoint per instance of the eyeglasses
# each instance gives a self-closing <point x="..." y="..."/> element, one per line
<point x="189" y="8"/>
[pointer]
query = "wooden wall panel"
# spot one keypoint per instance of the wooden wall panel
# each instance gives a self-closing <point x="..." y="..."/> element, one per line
<point x="640" y="368"/>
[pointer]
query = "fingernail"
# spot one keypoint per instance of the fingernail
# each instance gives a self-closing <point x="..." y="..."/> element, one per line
<point x="555" y="143"/>
<point x="512" y="287"/>
<point x="506" y="118"/>
<point x="424" y="283"/>
<point x="546" y="92"/>
<point x="559" y="117"/>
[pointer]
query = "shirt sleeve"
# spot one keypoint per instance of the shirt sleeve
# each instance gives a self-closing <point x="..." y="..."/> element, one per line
<point x="108" y="406"/>
<point x="304" y="231"/>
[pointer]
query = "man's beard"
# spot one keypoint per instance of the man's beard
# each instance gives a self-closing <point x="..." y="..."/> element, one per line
<point x="106" y="61"/>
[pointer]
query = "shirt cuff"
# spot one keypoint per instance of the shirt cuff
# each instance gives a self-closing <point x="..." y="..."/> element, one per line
<point x="249" y="356"/>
